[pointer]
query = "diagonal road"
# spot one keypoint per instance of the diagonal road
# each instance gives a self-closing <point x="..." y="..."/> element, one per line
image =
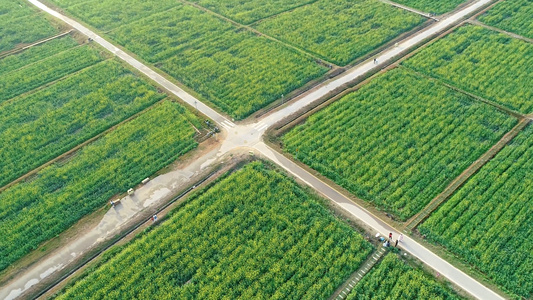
<point x="251" y="135"/>
<point x="174" y="89"/>
<point x="447" y="270"/>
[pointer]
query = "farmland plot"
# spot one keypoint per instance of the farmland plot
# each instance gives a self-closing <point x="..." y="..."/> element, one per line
<point x="246" y="12"/>
<point x="54" y="67"/>
<point x="233" y="68"/>
<point x="35" y="54"/>
<point x="20" y="24"/>
<point x="254" y="234"/>
<point x="511" y="15"/>
<point x="398" y="140"/>
<point x="36" y="210"/>
<point x="392" y="278"/>
<point x="483" y="62"/>
<point x="106" y="15"/>
<point x="432" y="6"/>
<point x="340" y="31"/>
<point x="40" y="126"/>
<point x="488" y="222"/>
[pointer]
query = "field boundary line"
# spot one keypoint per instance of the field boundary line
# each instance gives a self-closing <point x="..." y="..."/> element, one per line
<point x="281" y="12"/>
<point x="510" y="34"/>
<point x="47" y="57"/>
<point x="344" y="289"/>
<point x="48" y="84"/>
<point x="16" y="50"/>
<point x="410" y="9"/>
<point x="465" y="175"/>
<point x="500" y="107"/>
<point x="318" y="59"/>
<point x="79" y="146"/>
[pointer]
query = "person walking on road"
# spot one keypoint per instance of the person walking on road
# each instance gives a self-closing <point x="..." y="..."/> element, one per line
<point x="400" y="238"/>
<point x="375" y="61"/>
<point x="390" y="236"/>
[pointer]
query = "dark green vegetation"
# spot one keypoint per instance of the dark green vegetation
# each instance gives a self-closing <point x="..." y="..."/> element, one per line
<point x="432" y="6"/>
<point x="511" y="15"/>
<point x="46" y="70"/>
<point x="59" y="195"/>
<point x="483" y="62"/>
<point x="395" y="279"/>
<point x="489" y="220"/>
<point x="34" y="54"/>
<point x="235" y="69"/>
<point x="41" y="125"/>
<point x="255" y="234"/>
<point x="340" y="31"/>
<point x="246" y="12"/>
<point x="398" y="141"/>
<point x="21" y="24"/>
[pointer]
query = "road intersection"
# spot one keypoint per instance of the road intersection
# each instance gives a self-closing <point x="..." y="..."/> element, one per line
<point x="250" y="135"/>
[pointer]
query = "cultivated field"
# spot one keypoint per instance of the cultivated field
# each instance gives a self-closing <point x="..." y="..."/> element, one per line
<point x="254" y="234"/>
<point x="340" y="31"/>
<point x="511" y="15"/>
<point x="392" y="278"/>
<point x="488" y="222"/>
<point x="20" y="24"/>
<point x="483" y="62"/>
<point x="107" y="15"/>
<point x="431" y="6"/>
<point x="235" y="69"/>
<point x="41" y="125"/>
<point x="398" y="140"/>
<point x="59" y="195"/>
<point x="246" y="12"/>
<point x="48" y="69"/>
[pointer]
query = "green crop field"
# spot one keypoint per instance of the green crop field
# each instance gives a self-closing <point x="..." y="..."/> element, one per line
<point x="346" y="29"/>
<point x="489" y="221"/>
<point x="20" y="24"/>
<point x="107" y="15"/>
<point x="59" y="195"/>
<point x="254" y="234"/>
<point x="42" y="125"/>
<point x="35" y="54"/>
<point x="431" y="6"/>
<point x="51" y="68"/>
<point x="236" y="70"/>
<point x="511" y="15"/>
<point x="246" y="12"/>
<point x="398" y="141"/>
<point x="483" y="62"/>
<point x="392" y="278"/>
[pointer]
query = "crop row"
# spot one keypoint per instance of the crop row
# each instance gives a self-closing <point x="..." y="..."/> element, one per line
<point x="107" y="15"/>
<point x="34" y="75"/>
<point x="255" y="234"/>
<point x="35" y="54"/>
<point x="488" y="222"/>
<point x="58" y="196"/>
<point x="398" y="140"/>
<point x="483" y="62"/>
<point x="236" y="70"/>
<point x="431" y="6"/>
<point x="246" y="12"/>
<point x="21" y="24"/>
<point x="514" y="16"/>
<point x="40" y="126"/>
<point x="395" y="279"/>
<point x="346" y="29"/>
